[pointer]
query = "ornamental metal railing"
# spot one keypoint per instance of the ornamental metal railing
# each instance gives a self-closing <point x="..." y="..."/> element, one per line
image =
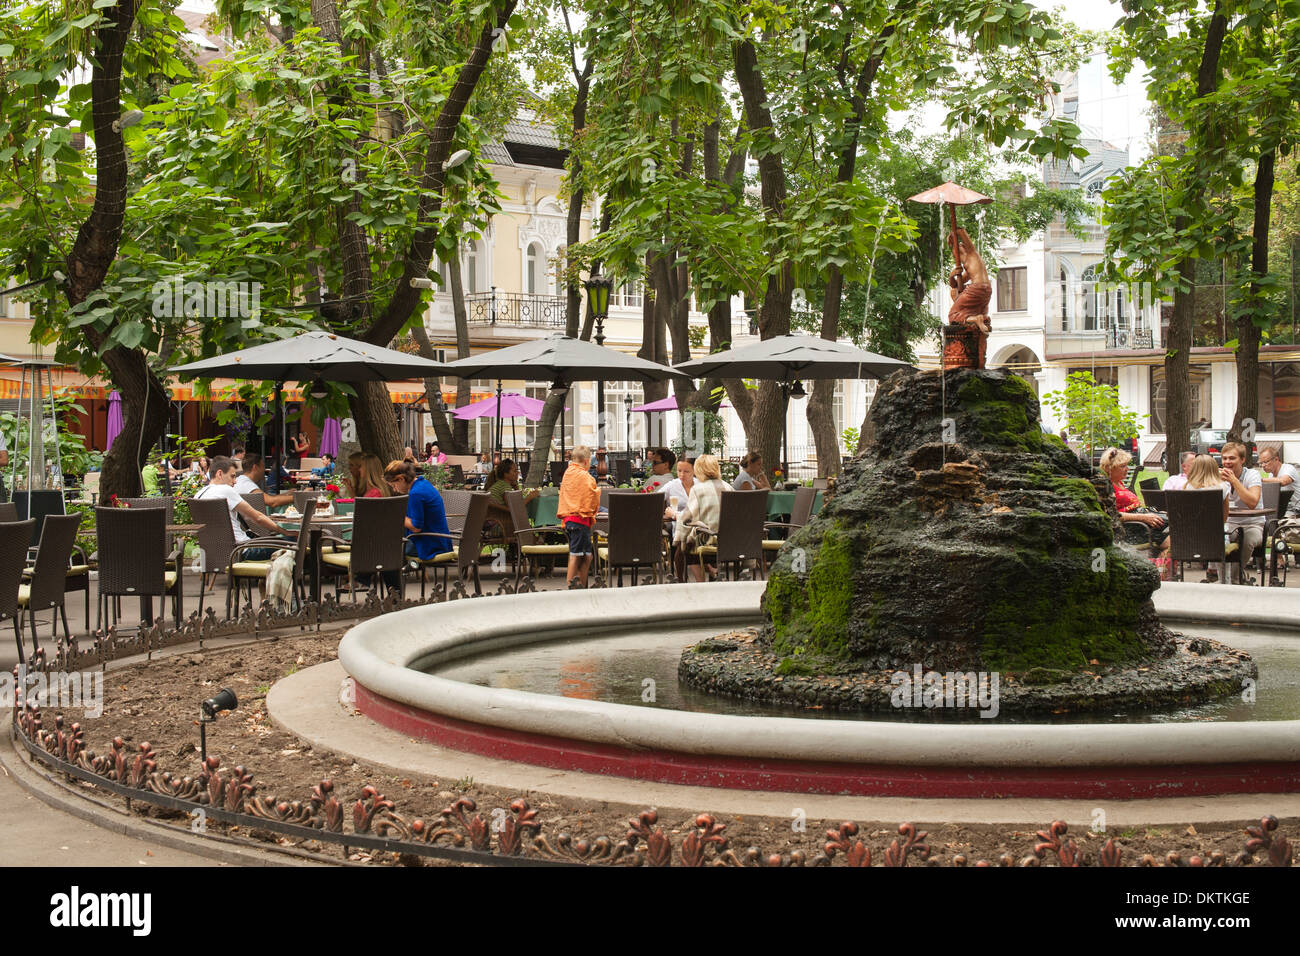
<point x="516" y="310"/>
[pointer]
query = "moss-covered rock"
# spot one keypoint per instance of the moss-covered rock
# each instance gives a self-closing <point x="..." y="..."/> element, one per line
<point x="963" y="539"/>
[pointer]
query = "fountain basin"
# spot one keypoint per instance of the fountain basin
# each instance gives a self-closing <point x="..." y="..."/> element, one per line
<point x="386" y="657"/>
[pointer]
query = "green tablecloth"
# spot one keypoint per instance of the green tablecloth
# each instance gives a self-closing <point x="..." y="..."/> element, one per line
<point x="782" y="503"/>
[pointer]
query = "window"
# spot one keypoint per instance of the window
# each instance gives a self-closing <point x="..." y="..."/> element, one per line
<point x="629" y="294"/>
<point x="1199" y="398"/>
<point x="470" y="278"/>
<point x="1279" y="397"/>
<point x="532" y="269"/>
<point x="1013" y="291"/>
<point x="1105" y="304"/>
<point x="1101" y="374"/>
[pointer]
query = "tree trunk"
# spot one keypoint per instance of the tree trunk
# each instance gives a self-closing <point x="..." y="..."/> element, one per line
<point x="460" y="429"/>
<point x="433" y="392"/>
<point x="821" y="405"/>
<point x="1250" y="321"/>
<point x="1178" y="350"/>
<point x="545" y="434"/>
<point x="372" y="410"/>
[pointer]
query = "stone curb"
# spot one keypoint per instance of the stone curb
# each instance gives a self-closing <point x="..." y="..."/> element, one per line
<point x="385" y="656"/>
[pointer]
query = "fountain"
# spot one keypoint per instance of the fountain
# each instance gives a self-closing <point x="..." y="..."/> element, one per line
<point x="965" y="541"/>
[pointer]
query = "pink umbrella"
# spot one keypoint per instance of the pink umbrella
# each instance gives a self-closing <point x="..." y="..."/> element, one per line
<point x="513" y="405"/>
<point x="331" y="434"/>
<point x="114" y="419"/>
<point x="668" y="404"/>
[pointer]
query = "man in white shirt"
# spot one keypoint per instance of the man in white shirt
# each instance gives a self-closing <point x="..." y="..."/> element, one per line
<point x="1277" y="470"/>
<point x="1179" y="481"/>
<point x="222" y="486"/>
<point x="1246" y="490"/>
<point x="251" y="480"/>
<point x="662" y="461"/>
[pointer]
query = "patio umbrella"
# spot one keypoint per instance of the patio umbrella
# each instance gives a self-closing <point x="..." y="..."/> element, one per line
<point x="789" y="359"/>
<point x="954" y="196"/>
<point x="509" y="405"/>
<point x="310" y="357"/>
<point x="331" y="433"/>
<point x="114" y="420"/>
<point x="561" y="360"/>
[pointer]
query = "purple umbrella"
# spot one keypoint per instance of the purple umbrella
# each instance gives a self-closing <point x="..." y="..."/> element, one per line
<point x="114" y="419"/>
<point x="513" y="405"/>
<point x="668" y="404"/>
<point x="331" y="434"/>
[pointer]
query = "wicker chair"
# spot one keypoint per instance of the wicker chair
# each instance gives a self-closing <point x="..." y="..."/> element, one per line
<point x="14" y="536"/>
<point x="635" y="538"/>
<point x="36" y="505"/>
<point x="376" y="546"/>
<point x="456" y="503"/>
<point x="531" y="545"/>
<point x="217" y="542"/>
<point x="128" y="567"/>
<point x="1196" y="528"/>
<point x="300" y="498"/>
<point x="1276" y="546"/>
<point x="739" y="531"/>
<point x="800" y="515"/>
<point x="622" y="471"/>
<point x="556" y="470"/>
<point x="257" y="499"/>
<point x="167" y="503"/>
<point x="47" y="585"/>
<point x="240" y="569"/>
<point x="1154" y="498"/>
<point x="467" y="546"/>
<point x="8" y="512"/>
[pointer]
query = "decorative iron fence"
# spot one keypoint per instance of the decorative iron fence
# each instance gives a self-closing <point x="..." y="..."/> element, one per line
<point x="515" y="309"/>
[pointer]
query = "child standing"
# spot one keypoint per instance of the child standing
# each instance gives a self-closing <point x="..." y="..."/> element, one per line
<point x="576" y="509"/>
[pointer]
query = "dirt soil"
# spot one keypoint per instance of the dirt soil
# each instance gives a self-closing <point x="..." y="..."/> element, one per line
<point x="158" y="702"/>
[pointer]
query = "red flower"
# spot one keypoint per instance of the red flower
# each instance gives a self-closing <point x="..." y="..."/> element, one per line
<point x="332" y="489"/>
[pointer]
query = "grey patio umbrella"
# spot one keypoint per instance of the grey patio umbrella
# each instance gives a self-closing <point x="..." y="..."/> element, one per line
<point x="561" y="360"/>
<point x="311" y="357"/>
<point x="789" y="359"/>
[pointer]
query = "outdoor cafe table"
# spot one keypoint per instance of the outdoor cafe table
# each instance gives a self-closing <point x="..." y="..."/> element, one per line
<point x="781" y="503"/>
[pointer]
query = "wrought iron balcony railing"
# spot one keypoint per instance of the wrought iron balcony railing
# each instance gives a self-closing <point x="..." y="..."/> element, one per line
<point x="1128" y="338"/>
<point x="515" y="309"/>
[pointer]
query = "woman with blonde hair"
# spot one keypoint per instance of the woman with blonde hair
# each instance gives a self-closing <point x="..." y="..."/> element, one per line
<point x="697" y="524"/>
<point x="1203" y="475"/>
<point x="1114" y="465"/>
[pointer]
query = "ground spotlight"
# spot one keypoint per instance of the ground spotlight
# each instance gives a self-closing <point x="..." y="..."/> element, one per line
<point x="224" y="699"/>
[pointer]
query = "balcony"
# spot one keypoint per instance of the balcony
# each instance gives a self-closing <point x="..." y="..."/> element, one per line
<point x="515" y="310"/>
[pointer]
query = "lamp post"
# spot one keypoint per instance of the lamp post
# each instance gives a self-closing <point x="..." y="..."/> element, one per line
<point x="598" y="289"/>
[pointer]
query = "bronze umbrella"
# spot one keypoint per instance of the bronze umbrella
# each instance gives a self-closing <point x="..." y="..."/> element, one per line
<point x="954" y="196"/>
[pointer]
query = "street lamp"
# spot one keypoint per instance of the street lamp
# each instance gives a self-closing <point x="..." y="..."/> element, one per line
<point x="598" y="289"/>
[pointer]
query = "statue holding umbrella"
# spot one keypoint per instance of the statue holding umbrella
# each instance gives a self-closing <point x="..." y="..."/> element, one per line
<point x="965" y="337"/>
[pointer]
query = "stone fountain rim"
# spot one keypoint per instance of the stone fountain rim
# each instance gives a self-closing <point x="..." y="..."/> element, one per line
<point x="383" y="654"/>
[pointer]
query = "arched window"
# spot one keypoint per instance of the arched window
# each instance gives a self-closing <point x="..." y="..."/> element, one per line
<point x="534" y="266"/>
<point x="1105" y="305"/>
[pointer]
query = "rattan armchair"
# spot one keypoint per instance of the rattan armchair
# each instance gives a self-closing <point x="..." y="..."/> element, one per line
<point x="635" y="537"/>
<point x="130" y="567"/>
<point x="14" y="536"/>
<point x="1196" y="528"/>
<point x="466" y="545"/>
<point x="530" y="538"/>
<point x="376" y="547"/>
<point x="739" y="532"/>
<point x="800" y="515"/>
<point x="46" y="587"/>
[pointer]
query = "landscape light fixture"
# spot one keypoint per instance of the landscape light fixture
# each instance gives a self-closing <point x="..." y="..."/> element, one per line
<point x="796" y="391"/>
<point x="224" y="700"/>
<point x="129" y="118"/>
<point x="458" y="158"/>
<point x="318" y="389"/>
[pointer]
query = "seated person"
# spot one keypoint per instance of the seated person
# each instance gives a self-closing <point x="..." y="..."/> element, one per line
<point x="1273" y="469"/>
<point x="222" y="485"/>
<point x="1144" y="526"/>
<point x="1179" y="481"/>
<point x="253" y="479"/>
<point x="370" y="481"/>
<point x="433" y="454"/>
<point x="1247" y="489"/>
<point x="1203" y="474"/>
<point x="751" y="476"/>
<point x="425" y="513"/>
<point x="327" y="469"/>
<point x="662" y="462"/>
<point x="505" y="479"/>
<point x="703" y="507"/>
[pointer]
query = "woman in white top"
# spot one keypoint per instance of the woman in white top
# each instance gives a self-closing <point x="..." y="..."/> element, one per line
<point x="751" y="476"/>
<point x="703" y="506"/>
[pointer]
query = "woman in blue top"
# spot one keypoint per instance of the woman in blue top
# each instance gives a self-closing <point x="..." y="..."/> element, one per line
<point x="425" y="511"/>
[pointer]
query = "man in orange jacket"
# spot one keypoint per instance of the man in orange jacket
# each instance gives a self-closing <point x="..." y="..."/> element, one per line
<point x="577" y="507"/>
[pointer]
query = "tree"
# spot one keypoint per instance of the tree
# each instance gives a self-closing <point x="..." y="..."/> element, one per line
<point x="1092" y="412"/>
